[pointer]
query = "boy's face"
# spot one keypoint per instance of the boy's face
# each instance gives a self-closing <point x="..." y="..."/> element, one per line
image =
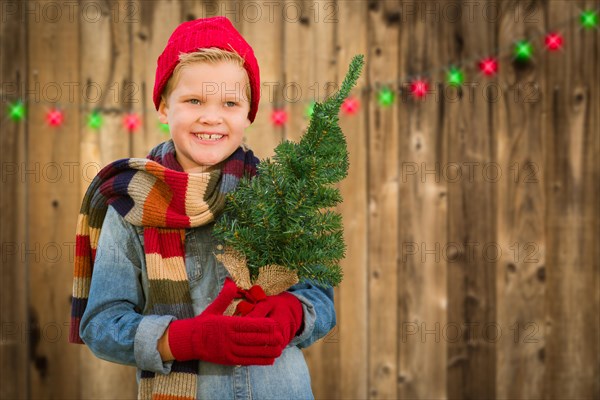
<point x="207" y="113"/>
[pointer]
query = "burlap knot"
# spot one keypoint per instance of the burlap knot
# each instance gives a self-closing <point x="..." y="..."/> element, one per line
<point x="273" y="279"/>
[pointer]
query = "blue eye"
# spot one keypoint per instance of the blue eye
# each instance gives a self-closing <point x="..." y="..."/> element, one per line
<point x="194" y="101"/>
<point x="231" y="103"/>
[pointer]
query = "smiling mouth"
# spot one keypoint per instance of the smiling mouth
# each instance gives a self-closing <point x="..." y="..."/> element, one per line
<point x="208" y="136"/>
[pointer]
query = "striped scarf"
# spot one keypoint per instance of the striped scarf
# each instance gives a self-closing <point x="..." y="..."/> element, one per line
<point x="155" y="193"/>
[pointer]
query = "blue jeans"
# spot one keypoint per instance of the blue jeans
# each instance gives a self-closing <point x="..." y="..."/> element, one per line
<point x="116" y="328"/>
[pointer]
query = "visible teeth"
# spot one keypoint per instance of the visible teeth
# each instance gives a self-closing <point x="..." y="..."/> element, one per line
<point x="206" y="136"/>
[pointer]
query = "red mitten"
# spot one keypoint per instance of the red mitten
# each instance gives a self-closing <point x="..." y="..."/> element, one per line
<point x="215" y="338"/>
<point x="286" y="310"/>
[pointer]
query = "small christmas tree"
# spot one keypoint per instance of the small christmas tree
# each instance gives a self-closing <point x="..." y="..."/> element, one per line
<point x="283" y="215"/>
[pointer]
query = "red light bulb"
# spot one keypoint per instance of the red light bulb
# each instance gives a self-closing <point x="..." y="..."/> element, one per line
<point x="488" y="66"/>
<point x="132" y="122"/>
<point x="350" y="106"/>
<point x="278" y="117"/>
<point x="553" y="41"/>
<point x="55" y="117"/>
<point x="419" y="88"/>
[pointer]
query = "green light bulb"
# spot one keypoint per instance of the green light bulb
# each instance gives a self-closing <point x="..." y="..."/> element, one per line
<point x="16" y="111"/>
<point x="385" y="97"/>
<point x="163" y="127"/>
<point x="523" y="50"/>
<point x="94" y="120"/>
<point x="589" y="19"/>
<point x="455" y="77"/>
<point x="310" y="109"/>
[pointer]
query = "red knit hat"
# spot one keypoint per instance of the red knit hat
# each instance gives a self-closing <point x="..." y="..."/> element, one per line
<point x="203" y="33"/>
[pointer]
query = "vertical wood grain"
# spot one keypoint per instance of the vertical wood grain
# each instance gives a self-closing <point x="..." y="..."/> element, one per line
<point x="14" y="361"/>
<point x="263" y="30"/>
<point x="351" y="298"/>
<point x="53" y="198"/>
<point x="521" y="271"/>
<point x="423" y="211"/>
<point x="471" y="226"/>
<point x="298" y="86"/>
<point x="325" y="79"/>
<point x="572" y="351"/>
<point x="152" y="24"/>
<point x="383" y="208"/>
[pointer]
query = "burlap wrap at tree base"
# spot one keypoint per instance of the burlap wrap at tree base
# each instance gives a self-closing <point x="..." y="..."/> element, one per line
<point x="273" y="279"/>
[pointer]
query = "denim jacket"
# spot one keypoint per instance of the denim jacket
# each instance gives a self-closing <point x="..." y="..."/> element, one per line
<point x="115" y="328"/>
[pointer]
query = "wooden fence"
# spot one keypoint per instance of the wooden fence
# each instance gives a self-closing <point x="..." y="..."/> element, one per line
<point x="472" y="216"/>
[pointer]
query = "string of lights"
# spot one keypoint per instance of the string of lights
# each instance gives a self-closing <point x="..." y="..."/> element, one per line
<point x="418" y="85"/>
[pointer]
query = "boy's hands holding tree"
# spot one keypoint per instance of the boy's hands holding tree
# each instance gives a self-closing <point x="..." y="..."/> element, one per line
<point x="227" y="340"/>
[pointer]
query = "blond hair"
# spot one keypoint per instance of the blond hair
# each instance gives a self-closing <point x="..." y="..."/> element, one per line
<point x="211" y="55"/>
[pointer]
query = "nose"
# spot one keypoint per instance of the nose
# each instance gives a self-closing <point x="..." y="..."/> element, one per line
<point x="210" y="115"/>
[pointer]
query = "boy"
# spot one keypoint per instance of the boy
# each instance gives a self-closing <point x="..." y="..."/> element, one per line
<point x="158" y="293"/>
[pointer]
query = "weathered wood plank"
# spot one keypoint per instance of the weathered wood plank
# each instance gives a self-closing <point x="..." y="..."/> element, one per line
<point x="521" y="243"/>
<point x="471" y="226"/>
<point x="383" y="191"/>
<point x="14" y="362"/>
<point x="572" y="351"/>
<point x="351" y="298"/>
<point x="423" y="210"/>
<point x="53" y="199"/>
<point x="263" y="30"/>
<point x="323" y="76"/>
<point x="152" y="24"/>
<point x="301" y="82"/>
